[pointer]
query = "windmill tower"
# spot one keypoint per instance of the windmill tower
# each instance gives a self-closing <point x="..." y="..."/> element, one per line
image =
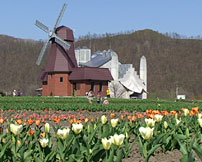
<point x="61" y="60"/>
<point x="143" y="75"/>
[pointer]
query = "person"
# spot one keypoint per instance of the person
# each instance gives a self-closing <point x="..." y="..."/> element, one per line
<point x="74" y="93"/>
<point x="14" y="92"/>
<point x="90" y="96"/>
<point x="105" y="101"/>
<point x="99" y="97"/>
<point x="19" y="93"/>
<point x="86" y="93"/>
<point x="108" y="93"/>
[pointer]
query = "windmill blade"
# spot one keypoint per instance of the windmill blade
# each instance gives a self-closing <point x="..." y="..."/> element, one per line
<point x="42" y="26"/>
<point x="60" y="16"/>
<point x="61" y="42"/>
<point x="42" y="53"/>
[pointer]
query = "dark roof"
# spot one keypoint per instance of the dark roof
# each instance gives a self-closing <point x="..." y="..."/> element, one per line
<point x="43" y="75"/>
<point x="65" y="33"/>
<point x="90" y="73"/>
<point x="97" y="61"/>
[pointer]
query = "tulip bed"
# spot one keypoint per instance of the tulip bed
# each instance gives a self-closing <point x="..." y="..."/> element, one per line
<point x="50" y="134"/>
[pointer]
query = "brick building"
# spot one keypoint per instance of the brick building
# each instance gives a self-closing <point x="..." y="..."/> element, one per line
<point x="62" y="76"/>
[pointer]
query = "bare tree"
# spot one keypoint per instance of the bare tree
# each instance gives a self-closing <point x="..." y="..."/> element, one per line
<point x="117" y="89"/>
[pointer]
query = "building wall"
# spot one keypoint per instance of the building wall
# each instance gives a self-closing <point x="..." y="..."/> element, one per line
<point x="85" y="86"/>
<point x="45" y="89"/>
<point x="57" y="88"/>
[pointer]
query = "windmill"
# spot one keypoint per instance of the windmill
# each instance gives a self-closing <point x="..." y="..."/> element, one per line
<point x="52" y="35"/>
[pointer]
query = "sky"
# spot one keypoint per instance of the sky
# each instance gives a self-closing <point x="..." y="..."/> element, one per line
<point x="18" y="17"/>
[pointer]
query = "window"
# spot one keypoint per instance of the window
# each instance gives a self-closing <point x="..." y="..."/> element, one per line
<point x="100" y="87"/>
<point x="61" y="79"/>
<point x="82" y="57"/>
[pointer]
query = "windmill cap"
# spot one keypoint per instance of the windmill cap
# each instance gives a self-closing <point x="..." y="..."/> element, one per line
<point x="65" y="33"/>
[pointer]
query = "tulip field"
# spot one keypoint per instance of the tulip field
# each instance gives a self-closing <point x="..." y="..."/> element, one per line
<point x="50" y="129"/>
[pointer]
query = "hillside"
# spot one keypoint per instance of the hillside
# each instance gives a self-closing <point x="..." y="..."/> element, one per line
<point x="17" y="64"/>
<point x="170" y="61"/>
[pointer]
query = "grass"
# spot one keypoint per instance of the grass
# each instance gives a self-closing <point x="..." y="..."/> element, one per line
<point x="75" y="103"/>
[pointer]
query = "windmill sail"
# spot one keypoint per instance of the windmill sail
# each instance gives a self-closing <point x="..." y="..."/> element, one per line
<point x="61" y="42"/>
<point x="60" y="16"/>
<point x="52" y="35"/>
<point x="42" y="53"/>
<point x="42" y="26"/>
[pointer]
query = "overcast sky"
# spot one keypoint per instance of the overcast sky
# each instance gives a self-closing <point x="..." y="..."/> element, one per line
<point x="100" y="16"/>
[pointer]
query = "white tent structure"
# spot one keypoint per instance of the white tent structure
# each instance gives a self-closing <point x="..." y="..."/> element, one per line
<point x="127" y="83"/>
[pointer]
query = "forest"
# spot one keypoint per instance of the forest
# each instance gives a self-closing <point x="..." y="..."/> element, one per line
<point x="173" y="61"/>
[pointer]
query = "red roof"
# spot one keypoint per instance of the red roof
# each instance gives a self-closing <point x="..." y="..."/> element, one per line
<point x="90" y="73"/>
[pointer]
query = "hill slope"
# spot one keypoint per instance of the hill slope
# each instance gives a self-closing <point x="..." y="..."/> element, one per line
<point x="171" y="62"/>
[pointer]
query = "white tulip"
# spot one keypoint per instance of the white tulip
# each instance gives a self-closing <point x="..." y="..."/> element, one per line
<point x="118" y="139"/>
<point x="16" y="129"/>
<point x="77" y="128"/>
<point x="114" y="122"/>
<point x="112" y="139"/>
<point x="150" y="122"/>
<point x="63" y="133"/>
<point x="186" y="112"/>
<point x="158" y="118"/>
<point x="178" y="121"/>
<point x="200" y="122"/>
<point x="44" y="142"/>
<point x="200" y="115"/>
<point x="103" y="119"/>
<point x="146" y="133"/>
<point x="106" y="143"/>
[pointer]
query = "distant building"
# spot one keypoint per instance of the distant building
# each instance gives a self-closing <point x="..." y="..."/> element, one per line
<point x="82" y="55"/>
<point x="127" y="83"/>
<point x="183" y="97"/>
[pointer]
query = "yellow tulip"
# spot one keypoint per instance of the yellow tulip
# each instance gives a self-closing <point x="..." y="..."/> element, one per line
<point x="165" y="124"/>
<point x="150" y="122"/>
<point x="63" y="133"/>
<point x="114" y="122"/>
<point x="16" y="129"/>
<point x="47" y="128"/>
<point x="106" y="143"/>
<point x="127" y="135"/>
<point x="103" y="119"/>
<point x="146" y="133"/>
<point x="77" y="128"/>
<point x="44" y="142"/>
<point x="19" y="143"/>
